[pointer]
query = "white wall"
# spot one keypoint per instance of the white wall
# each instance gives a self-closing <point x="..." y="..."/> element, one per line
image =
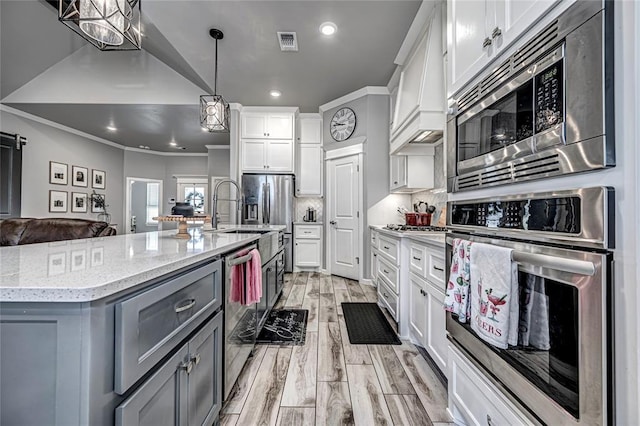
<point x="48" y="143"/>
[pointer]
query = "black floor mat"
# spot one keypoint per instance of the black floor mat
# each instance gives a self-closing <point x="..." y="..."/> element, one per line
<point x="367" y="325"/>
<point x="284" y="326"/>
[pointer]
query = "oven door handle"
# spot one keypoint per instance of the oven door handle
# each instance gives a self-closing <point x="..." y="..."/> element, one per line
<point x="575" y="266"/>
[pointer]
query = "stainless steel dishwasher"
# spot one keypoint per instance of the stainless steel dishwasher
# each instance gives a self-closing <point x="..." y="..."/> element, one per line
<point x="239" y="323"/>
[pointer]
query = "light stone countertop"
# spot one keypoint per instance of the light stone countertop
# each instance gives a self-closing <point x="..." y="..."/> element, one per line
<point x="93" y="268"/>
<point x="422" y="236"/>
<point x="307" y="223"/>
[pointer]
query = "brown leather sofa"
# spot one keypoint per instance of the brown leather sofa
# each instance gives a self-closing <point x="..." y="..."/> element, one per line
<point x="28" y="231"/>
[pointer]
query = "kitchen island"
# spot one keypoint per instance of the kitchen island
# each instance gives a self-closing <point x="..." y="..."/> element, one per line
<point x="117" y="330"/>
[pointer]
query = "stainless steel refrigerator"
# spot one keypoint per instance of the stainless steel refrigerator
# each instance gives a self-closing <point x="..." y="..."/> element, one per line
<point x="268" y="200"/>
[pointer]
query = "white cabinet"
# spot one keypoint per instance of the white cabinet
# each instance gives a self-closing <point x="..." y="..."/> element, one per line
<point x="388" y="273"/>
<point x="473" y="400"/>
<point x="263" y="155"/>
<point x="427" y="317"/>
<point x="307" y="252"/>
<point x="373" y="247"/>
<point x="310" y="155"/>
<point x="411" y="173"/>
<point x="480" y="30"/>
<point x="261" y="125"/>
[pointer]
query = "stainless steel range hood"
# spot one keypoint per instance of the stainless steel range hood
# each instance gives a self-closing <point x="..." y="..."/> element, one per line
<point x="419" y="115"/>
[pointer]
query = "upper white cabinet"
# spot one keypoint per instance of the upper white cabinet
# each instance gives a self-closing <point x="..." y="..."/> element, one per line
<point x="478" y="31"/>
<point x="411" y="173"/>
<point x="260" y="125"/>
<point x="267" y="144"/>
<point x="309" y="163"/>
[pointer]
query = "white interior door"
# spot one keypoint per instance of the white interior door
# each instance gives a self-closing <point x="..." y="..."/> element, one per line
<point x="344" y="228"/>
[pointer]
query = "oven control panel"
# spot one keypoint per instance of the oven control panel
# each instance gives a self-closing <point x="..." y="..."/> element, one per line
<point x="560" y="214"/>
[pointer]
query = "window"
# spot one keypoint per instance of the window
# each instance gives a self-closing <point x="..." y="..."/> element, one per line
<point x="194" y="191"/>
<point x="153" y="200"/>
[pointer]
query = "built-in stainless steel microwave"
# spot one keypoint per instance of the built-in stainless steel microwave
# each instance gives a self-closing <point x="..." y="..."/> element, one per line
<point x="545" y="111"/>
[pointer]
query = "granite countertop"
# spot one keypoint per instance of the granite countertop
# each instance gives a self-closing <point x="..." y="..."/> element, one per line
<point x="93" y="268"/>
<point x="422" y="236"/>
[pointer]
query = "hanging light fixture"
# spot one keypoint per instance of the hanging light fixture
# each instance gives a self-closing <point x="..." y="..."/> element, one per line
<point x="214" y="110"/>
<point x="107" y="24"/>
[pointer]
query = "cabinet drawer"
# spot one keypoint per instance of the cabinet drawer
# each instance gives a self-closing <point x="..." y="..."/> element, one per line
<point x="435" y="268"/>
<point x="480" y="402"/>
<point x="149" y="325"/>
<point x="307" y="231"/>
<point x="389" y="248"/>
<point x="418" y="259"/>
<point x="389" y="273"/>
<point x="388" y="299"/>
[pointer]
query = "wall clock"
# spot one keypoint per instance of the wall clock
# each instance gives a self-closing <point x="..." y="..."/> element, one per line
<point x="343" y="124"/>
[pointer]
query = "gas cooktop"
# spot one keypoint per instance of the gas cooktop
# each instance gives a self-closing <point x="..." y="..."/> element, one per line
<point x="403" y="228"/>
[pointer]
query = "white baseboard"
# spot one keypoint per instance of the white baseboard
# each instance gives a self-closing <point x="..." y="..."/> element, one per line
<point x="367" y="281"/>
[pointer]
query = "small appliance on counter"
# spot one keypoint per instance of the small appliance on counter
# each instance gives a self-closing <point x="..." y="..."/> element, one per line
<point x="310" y="216"/>
<point x="182" y="208"/>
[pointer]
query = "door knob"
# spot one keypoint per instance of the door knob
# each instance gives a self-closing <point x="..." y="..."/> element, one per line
<point x="333" y="222"/>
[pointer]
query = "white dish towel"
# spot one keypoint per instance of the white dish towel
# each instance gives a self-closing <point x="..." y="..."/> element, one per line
<point x="494" y="295"/>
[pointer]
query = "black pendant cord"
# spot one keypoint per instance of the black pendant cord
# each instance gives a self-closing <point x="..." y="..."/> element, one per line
<point x="215" y="77"/>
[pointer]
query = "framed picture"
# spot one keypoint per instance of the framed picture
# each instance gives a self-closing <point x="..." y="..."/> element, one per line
<point x="78" y="202"/>
<point x="79" y="176"/>
<point x="58" y="201"/>
<point x="78" y="260"/>
<point x="97" y="203"/>
<point x="57" y="263"/>
<point x="58" y="173"/>
<point x="98" y="179"/>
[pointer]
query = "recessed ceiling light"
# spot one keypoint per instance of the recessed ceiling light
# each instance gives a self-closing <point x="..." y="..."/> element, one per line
<point x="275" y="93"/>
<point x="112" y="128"/>
<point x="328" y="28"/>
<point x="173" y="144"/>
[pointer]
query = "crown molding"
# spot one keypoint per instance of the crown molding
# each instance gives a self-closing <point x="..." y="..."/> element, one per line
<point x="367" y="90"/>
<point x="218" y="146"/>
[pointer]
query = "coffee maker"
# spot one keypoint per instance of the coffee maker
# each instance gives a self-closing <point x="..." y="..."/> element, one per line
<point x="310" y="216"/>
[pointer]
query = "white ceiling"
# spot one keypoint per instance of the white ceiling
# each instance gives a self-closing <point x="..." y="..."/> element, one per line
<point x="45" y="66"/>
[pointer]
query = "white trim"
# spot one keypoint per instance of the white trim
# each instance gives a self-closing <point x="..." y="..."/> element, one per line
<point x="313" y="115"/>
<point x="235" y="106"/>
<point x="394" y="81"/>
<point x="416" y="31"/>
<point x="292" y="110"/>
<point x="218" y="146"/>
<point x="165" y="154"/>
<point x="191" y="178"/>
<point x="367" y="281"/>
<point x="367" y="90"/>
<point x="77" y="132"/>
<point x="346" y="151"/>
<point x="127" y="205"/>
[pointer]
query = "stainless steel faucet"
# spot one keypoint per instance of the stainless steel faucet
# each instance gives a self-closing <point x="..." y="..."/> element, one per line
<point x="239" y="201"/>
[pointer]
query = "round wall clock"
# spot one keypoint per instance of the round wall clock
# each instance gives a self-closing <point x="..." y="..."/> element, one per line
<point x="343" y="124"/>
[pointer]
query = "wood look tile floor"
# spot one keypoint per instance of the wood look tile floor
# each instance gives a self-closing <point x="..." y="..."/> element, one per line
<point x="329" y="381"/>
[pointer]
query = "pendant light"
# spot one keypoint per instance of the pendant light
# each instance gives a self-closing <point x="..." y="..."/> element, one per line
<point x="107" y="24"/>
<point x="214" y="110"/>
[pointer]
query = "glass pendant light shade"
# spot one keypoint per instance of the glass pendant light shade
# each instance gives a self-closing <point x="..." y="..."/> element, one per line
<point x="103" y="20"/>
<point x="214" y="113"/>
<point x="214" y="110"/>
<point x="107" y="24"/>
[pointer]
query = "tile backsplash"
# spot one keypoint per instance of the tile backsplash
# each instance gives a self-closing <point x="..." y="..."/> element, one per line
<point x="303" y="203"/>
<point x="437" y="196"/>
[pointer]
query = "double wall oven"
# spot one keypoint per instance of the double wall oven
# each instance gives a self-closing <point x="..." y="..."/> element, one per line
<point x="561" y="370"/>
<point x="547" y="110"/>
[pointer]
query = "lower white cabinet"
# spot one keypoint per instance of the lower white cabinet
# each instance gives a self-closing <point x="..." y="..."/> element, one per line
<point x="307" y="251"/>
<point x="417" y="308"/>
<point x="474" y="400"/>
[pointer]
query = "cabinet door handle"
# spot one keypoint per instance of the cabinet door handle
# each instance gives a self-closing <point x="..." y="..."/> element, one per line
<point x="417" y="258"/>
<point x="487" y="42"/>
<point x="438" y="269"/>
<point x="375" y="255"/>
<point x="489" y="421"/>
<point x="186" y="366"/>
<point x="395" y="182"/>
<point x="385" y="271"/>
<point x="497" y="32"/>
<point x="385" y="247"/>
<point x="195" y="359"/>
<point x="385" y="295"/>
<point x="184" y="305"/>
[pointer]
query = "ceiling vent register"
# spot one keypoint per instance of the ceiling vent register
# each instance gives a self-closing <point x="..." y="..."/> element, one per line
<point x="288" y="41"/>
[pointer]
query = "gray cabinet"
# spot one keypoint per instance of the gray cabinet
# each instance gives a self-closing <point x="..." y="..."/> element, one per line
<point x="186" y="390"/>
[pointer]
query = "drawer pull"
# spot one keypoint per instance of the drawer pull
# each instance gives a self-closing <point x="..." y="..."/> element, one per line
<point x="307" y="232"/>
<point x="186" y="366"/>
<point x="385" y="271"/>
<point x="438" y="269"/>
<point x="386" y="248"/>
<point x="184" y="305"/>
<point x="385" y="295"/>
<point x="489" y="421"/>
<point x="417" y="258"/>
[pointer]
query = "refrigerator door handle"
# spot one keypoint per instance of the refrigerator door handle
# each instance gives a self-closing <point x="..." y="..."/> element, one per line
<point x="268" y="201"/>
<point x="264" y="203"/>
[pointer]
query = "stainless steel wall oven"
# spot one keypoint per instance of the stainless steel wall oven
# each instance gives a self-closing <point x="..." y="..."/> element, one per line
<point x="546" y="111"/>
<point x="561" y="370"/>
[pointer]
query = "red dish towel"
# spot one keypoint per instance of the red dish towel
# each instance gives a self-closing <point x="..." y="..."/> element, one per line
<point x="254" y="278"/>
<point x="246" y="280"/>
